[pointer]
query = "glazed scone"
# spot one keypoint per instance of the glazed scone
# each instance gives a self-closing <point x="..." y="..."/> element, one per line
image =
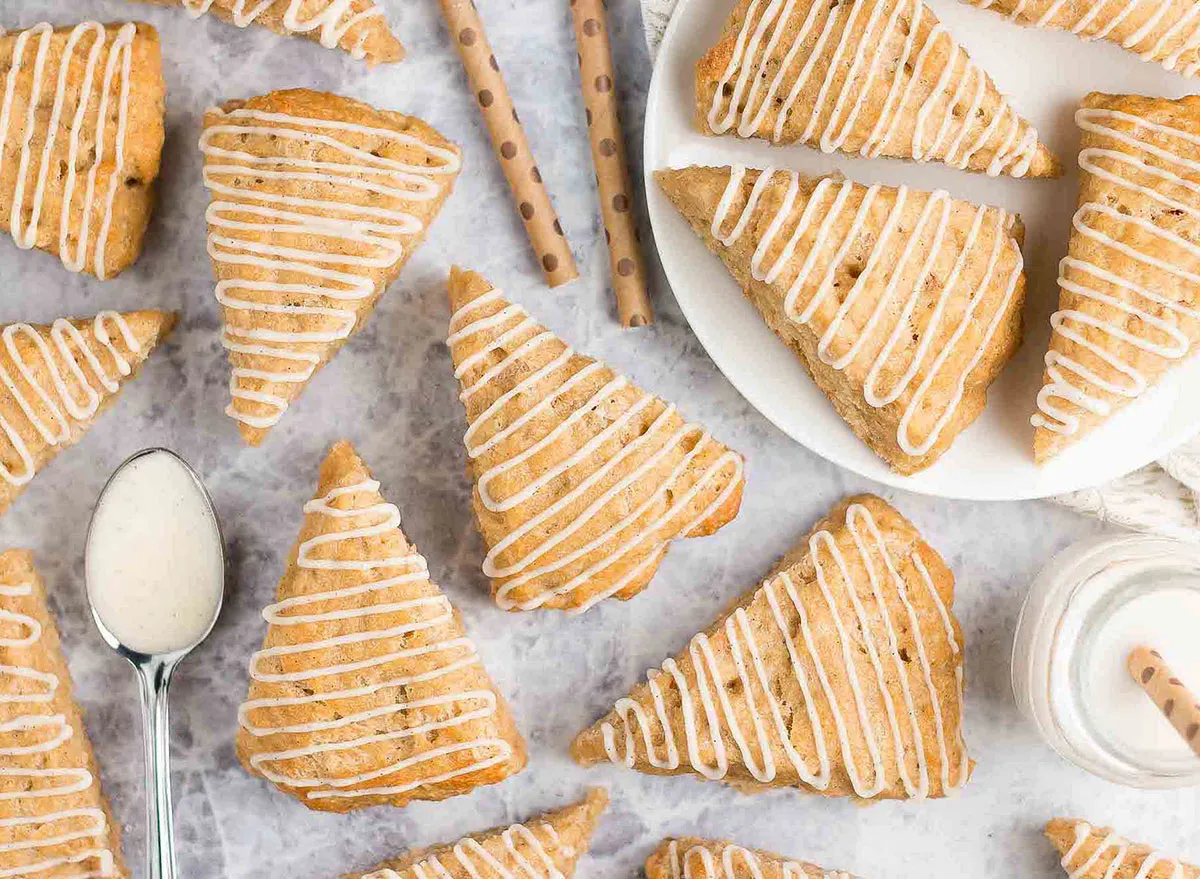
<point x="867" y="77"/>
<point x="692" y="858"/>
<point x="318" y="201"/>
<point x="54" y="820"/>
<point x="367" y="690"/>
<point x="903" y="305"/>
<point x="582" y="479"/>
<point x="784" y="690"/>
<point x="81" y="138"/>
<point x="546" y="847"/>
<point x="1166" y="32"/>
<point x="58" y="378"/>
<point x="358" y="27"/>
<point x="1098" y="853"/>
<point x="1129" y="287"/>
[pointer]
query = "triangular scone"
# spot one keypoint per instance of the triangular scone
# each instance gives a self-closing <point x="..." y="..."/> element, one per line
<point x="56" y="378"/>
<point x="1129" y="287"/>
<point x="582" y="479"/>
<point x="317" y="203"/>
<point x="903" y="305"/>
<point x="81" y="137"/>
<point x="54" y="821"/>
<point x="784" y="690"/>
<point x="367" y="690"/>
<point x="868" y="77"/>
<point x="546" y="847"/>
<point x="691" y="858"/>
<point x="358" y="27"/>
<point x="1166" y="32"/>
<point x="1097" y="853"/>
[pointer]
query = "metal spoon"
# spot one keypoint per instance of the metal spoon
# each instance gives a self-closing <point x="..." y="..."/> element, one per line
<point x="154" y="677"/>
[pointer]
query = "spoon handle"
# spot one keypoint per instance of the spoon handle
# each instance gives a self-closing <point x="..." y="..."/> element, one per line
<point x="155" y="678"/>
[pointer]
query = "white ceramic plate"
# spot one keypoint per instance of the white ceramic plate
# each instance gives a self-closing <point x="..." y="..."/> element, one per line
<point x="1045" y="73"/>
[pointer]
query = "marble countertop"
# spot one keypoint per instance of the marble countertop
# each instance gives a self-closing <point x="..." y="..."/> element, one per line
<point x="390" y="391"/>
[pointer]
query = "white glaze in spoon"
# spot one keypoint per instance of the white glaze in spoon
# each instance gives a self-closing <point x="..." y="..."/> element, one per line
<point x="155" y="571"/>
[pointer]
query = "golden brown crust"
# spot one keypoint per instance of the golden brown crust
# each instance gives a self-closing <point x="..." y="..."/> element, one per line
<point x="1120" y="331"/>
<point x="962" y="327"/>
<point x="430" y="723"/>
<point x="308" y="103"/>
<point x="275" y="353"/>
<point x="900" y="84"/>
<point x="131" y="185"/>
<point x="1164" y="32"/>
<point x="25" y="450"/>
<point x="1098" y="853"/>
<point x="690" y="857"/>
<point x="370" y="39"/>
<point x="802" y="682"/>
<point x="588" y="478"/>
<point x="561" y="837"/>
<point x="44" y="658"/>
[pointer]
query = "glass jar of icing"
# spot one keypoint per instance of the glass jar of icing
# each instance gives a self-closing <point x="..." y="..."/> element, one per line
<point x="1094" y="603"/>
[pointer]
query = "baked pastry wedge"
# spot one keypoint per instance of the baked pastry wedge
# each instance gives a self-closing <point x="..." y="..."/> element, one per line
<point x="546" y="847"/>
<point x="1166" y="32"/>
<point x="784" y="690"/>
<point x="358" y="27"/>
<point x="367" y="690"/>
<point x="55" y="379"/>
<point x="81" y="138"/>
<point x="54" y="820"/>
<point x="582" y="479"/>
<point x="691" y="858"/>
<point x="902" y="305"/>
<point x="1129" y="287"/>
<point x="867" y="77"/>
<point x="317" y="203"/>
<point x="1098" y="853"/>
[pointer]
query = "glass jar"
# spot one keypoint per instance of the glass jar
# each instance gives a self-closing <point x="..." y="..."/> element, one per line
<point x="1094" y="603"/>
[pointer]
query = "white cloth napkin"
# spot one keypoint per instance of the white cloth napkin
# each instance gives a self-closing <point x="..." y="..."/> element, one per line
<point x="655" y="15"/>
<point x="1163" y="498"/>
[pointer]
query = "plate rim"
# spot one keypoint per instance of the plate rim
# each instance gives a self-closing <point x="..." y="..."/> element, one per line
<point x="656" y="206"/>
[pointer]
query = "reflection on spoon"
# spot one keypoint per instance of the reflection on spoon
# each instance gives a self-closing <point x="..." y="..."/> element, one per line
<point x="155" y="570"/>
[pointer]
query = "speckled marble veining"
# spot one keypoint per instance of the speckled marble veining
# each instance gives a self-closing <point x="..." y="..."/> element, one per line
<point x="391" y="392"/>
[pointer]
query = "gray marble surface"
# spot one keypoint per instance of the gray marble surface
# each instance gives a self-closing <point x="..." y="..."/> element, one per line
<point x="391" y="392"/>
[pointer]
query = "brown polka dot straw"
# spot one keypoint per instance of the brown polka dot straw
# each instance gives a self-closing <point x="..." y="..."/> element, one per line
<point x="508" y="138"/>
<point x="608" y="153"/>
<point x="1174" y="700"/>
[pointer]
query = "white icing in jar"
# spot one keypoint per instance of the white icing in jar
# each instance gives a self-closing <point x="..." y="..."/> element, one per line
<point x="155" y="568"/>
<point x="1085" y="612"/>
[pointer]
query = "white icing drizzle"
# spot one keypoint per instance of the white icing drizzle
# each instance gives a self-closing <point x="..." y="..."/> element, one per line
<point x="1183" y="34"/>
<point x="108" y="64"/>
<point x="1156" y="329"/>
<point x="752" y="85"/>
<point x="331" y="19"/>
<point x="351" y="241"/>
<point x="60" y="402"/>
<point x="772" y="730"/>
<point x="890" y="253"/>
<point x="383" y="598"/>
<point x="510" y="329"/>
<point x="479" y="863"/>
<point x="1120" y="848"/>
<point x="35" y="807"/>
<point x="683" y="864"/>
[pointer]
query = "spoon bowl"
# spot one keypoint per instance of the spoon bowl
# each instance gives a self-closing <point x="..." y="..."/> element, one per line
<point x="154" y="572"/>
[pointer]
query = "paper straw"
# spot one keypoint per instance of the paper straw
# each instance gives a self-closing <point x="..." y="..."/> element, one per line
<point x="612" y="170"/>
<point x="1177" y="703"/>
<point x="533" y="203"/>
